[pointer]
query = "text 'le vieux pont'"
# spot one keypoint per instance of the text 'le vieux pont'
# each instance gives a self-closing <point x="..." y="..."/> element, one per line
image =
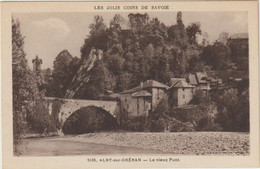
<point x="132" y="7"/>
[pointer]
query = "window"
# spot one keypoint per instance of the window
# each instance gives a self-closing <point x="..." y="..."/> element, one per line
<point x="158" y="94"/>
<point x="182" y="89"/>
<point x="138" y="105"/>
<point x="127" y="106"/>
<point x="125" y="99"/>
<point x="183" y="96"/>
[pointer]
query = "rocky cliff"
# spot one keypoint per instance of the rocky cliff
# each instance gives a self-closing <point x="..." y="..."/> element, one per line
<point x="82" y="76"/>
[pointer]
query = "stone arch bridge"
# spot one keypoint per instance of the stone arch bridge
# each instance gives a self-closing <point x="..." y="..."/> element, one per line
<point x="67" y="107"/>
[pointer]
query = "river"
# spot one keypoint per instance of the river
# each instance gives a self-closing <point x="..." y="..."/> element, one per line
<point x="62" y="146"/>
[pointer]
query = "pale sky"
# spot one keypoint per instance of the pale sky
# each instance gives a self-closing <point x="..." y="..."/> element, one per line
<point x="47" y="34"/>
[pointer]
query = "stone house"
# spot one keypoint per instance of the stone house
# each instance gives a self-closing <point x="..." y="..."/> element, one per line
<point x="180" y="92"/>
<point x="142" y="99"/>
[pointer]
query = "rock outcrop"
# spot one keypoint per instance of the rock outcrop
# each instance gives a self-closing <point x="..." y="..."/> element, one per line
<point x="82" y="76"/>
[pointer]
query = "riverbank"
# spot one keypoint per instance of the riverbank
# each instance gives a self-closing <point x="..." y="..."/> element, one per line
<point x="66" y="146"/>
<point x="38" y="135"/>
<point x="182" y="143"/>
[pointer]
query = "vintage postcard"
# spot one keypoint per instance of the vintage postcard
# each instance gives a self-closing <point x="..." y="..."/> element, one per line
<point x="130" y="84"/>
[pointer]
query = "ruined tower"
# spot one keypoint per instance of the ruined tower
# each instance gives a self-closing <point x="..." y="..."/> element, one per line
<point x="37" y="64"/>
<point x="37" y="69"/>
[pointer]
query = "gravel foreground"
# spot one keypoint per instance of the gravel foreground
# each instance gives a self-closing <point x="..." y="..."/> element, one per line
<point x="184" y="143"/>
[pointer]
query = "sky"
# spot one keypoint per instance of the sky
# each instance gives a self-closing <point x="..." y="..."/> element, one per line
<point x="47" y="34"/>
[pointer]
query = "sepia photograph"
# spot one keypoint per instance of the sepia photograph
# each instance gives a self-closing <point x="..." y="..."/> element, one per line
<point x="131" y="82"/>
<point x="118" y="83"/>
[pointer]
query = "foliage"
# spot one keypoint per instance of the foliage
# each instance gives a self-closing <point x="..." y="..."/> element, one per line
<point x="41" y="121"/>
<point x="61" y="74"/>
<point x="223" y="37"/>
<point x="29" y="111"/>
<point x="193" y="30"/>
<point x="24" y="85"/>
<point x="233" y="110"/>
<point x="162" y="108"/>
<point x="201" y="98"/>
<point x="146" y="50"/>
<point x="97" y="38"/>
<point x="136" y="124"/>
<point x="217" y="55"/>
<point x="239" y="53"/>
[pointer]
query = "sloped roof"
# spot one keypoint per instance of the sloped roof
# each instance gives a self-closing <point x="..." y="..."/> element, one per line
<point x="174" y="81"/>
<point x="142" y="93"/>
<point x="202" y="77"/>
<point x="192" y="79"/>
<point x="182" y="84"/>
<point x="153" y="83"/>
<point x="144" y="85"/>
<point x="135" y="89"/>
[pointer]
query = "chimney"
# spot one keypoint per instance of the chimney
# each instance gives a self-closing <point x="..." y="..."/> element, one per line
<point x="141" y="85"/>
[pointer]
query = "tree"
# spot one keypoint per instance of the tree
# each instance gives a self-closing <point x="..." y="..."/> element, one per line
<point x="239" y="52"/>
<point x="201" y="98"/>
<point x="123" y="81"/>
<point x="98" y="27"/>
<point x="61" y="73"/>
<point x="223" y="37"/>
<point x="233" y="110"/>
<point x="177" y="33"/>
<point x="217" y="55"/>
<point x="97" y="38"/>
<point x="24" y="86"/>
<point x="27" y="100"/>
<point x="115" y="30"/>
<point x="179" y="18"/>
<point x="193" y="30"/>
<point x="138" y="21"/>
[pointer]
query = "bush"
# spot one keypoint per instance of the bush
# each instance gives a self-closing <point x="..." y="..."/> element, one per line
<point x="201" y="116"/>
<point x="201" y="98"/>
<point x="207" y="124"/>
<point x="178" y="126"/>
<point x="135" y="124"/>
<point x="156" y="125"/>
<point x="233" y="110"/>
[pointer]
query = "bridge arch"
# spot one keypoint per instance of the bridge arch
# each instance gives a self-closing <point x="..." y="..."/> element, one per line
<point x="89" y="119"/>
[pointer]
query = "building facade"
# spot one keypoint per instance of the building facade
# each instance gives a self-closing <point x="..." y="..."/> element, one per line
<point x="142" y="99"/>
<point x="180" y="92"/>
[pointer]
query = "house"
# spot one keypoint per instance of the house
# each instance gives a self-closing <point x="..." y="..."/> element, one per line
<point x="199" y="81"/>
<point x="180" y="92"/>
<point x="142" y="99"/>
<point x="202" y="82"/>
<point x="215" y="83"/>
